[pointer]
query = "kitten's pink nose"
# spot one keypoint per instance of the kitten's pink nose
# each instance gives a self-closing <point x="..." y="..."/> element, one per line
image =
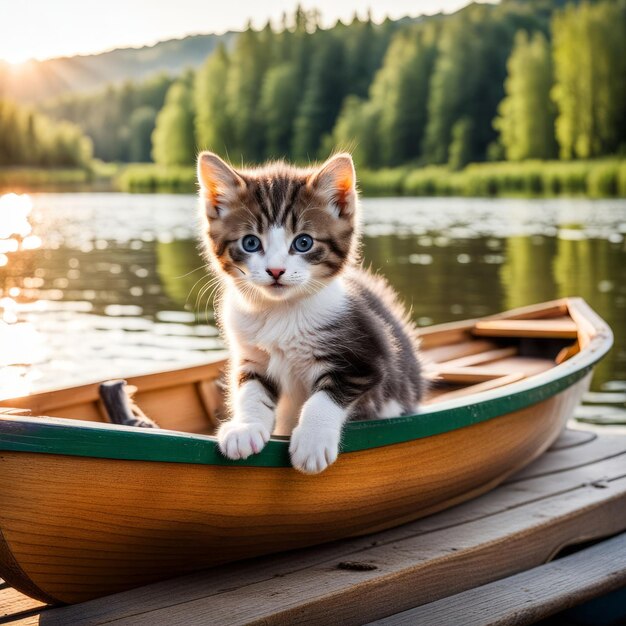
<point x="275" y="273"/>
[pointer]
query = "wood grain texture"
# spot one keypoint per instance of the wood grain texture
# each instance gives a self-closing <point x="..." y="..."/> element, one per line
<point x="557" y="328"/>
<point x="81" y="527"/>
<point x="84" y="527"/>
<point x="494" y="383"/>
<point x="46" y="403"/>
<point x="15" y="605"/>
<point x="482" y="357"/>
<point x="530" y="596"/>
<point x="504" y="532"/>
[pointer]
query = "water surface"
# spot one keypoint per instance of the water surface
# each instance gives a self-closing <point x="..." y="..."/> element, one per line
<point x="97" y="285"/>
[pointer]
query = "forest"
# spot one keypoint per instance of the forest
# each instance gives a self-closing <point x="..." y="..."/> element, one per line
<point x="27" y="137"/>
<point x="514" y="81"/>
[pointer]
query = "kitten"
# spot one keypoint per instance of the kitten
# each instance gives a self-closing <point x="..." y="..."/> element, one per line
<point x="313" y="337"/>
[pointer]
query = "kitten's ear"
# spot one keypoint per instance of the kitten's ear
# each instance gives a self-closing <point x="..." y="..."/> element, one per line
<point x="219" y="184"/>
<point x="336" y="180"/>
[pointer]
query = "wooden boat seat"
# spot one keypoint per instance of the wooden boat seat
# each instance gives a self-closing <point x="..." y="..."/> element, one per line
<point x="454" y="351"/>
<point x="481" y="358"/>
<point x="471" y="379"/>
<point x="9" y="410"/>
<point x="555" y="328"/>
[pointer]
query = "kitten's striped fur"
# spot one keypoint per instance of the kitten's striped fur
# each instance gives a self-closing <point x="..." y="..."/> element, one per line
<point x="315" y="339"/>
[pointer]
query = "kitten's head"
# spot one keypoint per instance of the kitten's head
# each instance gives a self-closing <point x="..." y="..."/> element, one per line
<point x="279" y="232"/>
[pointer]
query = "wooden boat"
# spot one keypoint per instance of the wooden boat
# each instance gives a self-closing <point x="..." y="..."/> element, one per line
<point x="88" y="508"/>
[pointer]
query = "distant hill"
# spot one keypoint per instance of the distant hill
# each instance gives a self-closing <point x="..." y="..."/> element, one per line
<point x="42" y="80"/>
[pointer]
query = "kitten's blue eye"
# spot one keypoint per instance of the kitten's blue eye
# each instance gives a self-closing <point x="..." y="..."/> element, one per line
<point x="251" y="243"/>
<point x="302" y="243"/>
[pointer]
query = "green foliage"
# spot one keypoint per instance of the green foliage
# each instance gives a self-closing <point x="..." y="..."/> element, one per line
<point x="382" y="182"/>
<point x="527" y="115"/>
<point x="356" y="132"/>
<point x="621" y="179"/>
<point x="600" y="178"/>
<point x="33" y="139"/>
<point x="279" y="94"/>
<point x="173" y="137"/>
<point x="213" y="125"/>
<point x="157" y="178"/>
<point x="243" y="88"/>
<point x="323" y="95"/>
<point x="437" y="92"/>
<point x="107" y="117"/>
<point x="468" y="77"/>
<point x="590" y="72"/>
<point x="429" y="181"/>
<point x="489" y="82"/>
<point x="400" y="93"/>
<point x="603" y="180"/>
<point x="461" y="145"/>
<point x="140" y="126"/>
<point x="280" y="97"/>
<point x="16" y="179"/>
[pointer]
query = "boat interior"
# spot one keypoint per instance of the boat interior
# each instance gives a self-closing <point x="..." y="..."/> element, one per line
<point x="459" y="359"/>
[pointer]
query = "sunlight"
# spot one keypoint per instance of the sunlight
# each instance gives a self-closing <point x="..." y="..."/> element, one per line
<point x="14" y="212"/>
<point x="23" y="346"/>
<point x="16" y="61"/>
<point x="32" y="242"/>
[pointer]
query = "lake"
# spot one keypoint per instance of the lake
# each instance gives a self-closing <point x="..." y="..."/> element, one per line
<point x="98" y="285"/>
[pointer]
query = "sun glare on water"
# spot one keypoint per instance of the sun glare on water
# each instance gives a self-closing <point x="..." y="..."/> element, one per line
<point x="20" y="343"/>
<point x="15" y="227"/>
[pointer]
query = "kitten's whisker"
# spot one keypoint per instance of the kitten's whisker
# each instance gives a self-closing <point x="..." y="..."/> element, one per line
<point x="210" y="298"/>
<point x="208" y="279"/>
<point x="206" y="288"/>
<point x="200" y="292"/>
<point x="191" y="272"/>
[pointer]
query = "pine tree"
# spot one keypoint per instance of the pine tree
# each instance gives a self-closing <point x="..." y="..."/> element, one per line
<point x="356" y="131"/>
<point x="141" y="126"/>
<point x="280" y="97"/>
<point x="527" y="114"/>
<point x="173" y="138"/>
<point x="213" y="124"/>
<point x="322" y="98"/>
<point x="461" y="144"/>
<point x="401" y="91"/>
<point x="590" y="77"/>
<point x="248" y="65"/>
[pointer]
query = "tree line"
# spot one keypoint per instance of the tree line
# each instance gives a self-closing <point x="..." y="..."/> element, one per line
<point x="534" y="79"/>
<point x="29" y="138"/>
<point x="119" y="119"/>
<point x="518" y="80"/>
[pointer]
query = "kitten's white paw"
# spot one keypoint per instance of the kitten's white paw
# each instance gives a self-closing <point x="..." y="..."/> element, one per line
<point x="239" y="441"/>
<point x="312" y="451"/>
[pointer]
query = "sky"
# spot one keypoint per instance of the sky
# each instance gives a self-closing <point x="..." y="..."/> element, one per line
<point x="42" y="29"/>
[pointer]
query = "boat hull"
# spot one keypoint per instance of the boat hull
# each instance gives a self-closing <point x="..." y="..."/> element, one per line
<point x="76" y="528"/>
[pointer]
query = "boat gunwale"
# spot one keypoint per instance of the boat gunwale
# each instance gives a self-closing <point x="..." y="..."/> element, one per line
<point x="51" y="435"/>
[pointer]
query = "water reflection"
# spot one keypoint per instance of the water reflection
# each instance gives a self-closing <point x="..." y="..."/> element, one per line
<point x="112" y="283"/>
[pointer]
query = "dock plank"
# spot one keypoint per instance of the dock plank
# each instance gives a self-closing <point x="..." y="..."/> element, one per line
<point x="15" y="605"/>
<point x="562" y="460"/>
<point x="530" y="596"/>
<point x="410" y="572"/>
<point x="575" y="497"/>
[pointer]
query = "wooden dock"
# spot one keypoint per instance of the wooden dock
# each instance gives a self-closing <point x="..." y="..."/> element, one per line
<point x="488" y="561"/>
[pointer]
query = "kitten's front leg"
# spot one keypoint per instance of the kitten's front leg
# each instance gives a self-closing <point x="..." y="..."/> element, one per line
<point x="254" y="404"/>
<point x="315" y="441"/>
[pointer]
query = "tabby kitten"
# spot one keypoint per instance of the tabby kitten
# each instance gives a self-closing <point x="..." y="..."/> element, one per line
<point x="315" y="340"/>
